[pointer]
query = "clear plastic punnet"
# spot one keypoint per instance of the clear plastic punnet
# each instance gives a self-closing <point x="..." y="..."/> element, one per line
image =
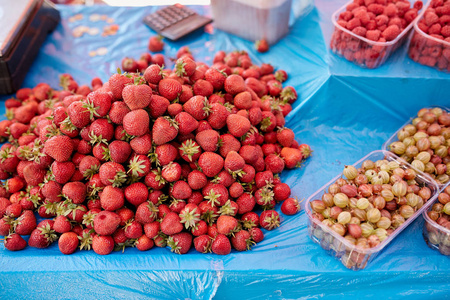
<point x="352" y="256"/>
<point x="428" y="50"/>
<point x="436" y="236"/>
<point x="360" y="50"/>
<point x="394" y="138"/>
<point x="253" y="19"/>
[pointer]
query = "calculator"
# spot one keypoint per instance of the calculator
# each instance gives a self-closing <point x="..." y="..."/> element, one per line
<point x="175" y="21"/>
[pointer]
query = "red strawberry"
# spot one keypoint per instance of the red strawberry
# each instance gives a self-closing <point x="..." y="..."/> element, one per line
<point x="292" y="157"/>
<point x="79" y="114"/>
<point x="242" y="241"/>
<point x="186" y="93"/>
<point x="274" y="163"/>
<point x="180" y="243"/>
<point x="285" y="137"/>
<point x="112" y="198"/>
<point x="281" y="191"/>
<point x="14" y="242"/>
<point x="155" y="43"/>
<point x="236" y="190"/>
<point x="246" y="203"/>
<point x="141" y="144"/>
<point x="101" y="102"/>
<point x="234" y="163"/>
<point x="216" y="78"/>
<point x="153" y="74"/>
<point x="139" y="166"/>
<point x="181" y="190"/>
<point x="203" y="243"/>
<point x="68" y="243"/>
<point x="117" y="83"/>
<point x="171" y="224"/>
<point x="262" y="46"/>
<point x="269" y="219"/>
<point x="165" y="154"/>
<point x="136" y="193"/>
<point x="59" y="148"/>
<point x="144" y="243"/>
<point x="171" y="172"/>
<point x="169" y="88"/>
<point x="164" y="130"/>
<point x="136" y="122"/>
<point x="256" y="234"/>
<point x="158" y="106"/>
<point x="198" y="107"/>
<point x="227" y="225"/>
<point x="197" y="180"/>
<point x="146" y="212"/>
<point x="106" y="222"/>
<point x="238" y="125"/>
<point x="211" y="163"/>
<point x="118" y="111"/>
<point x="208" y="140"/>
<point x="103" y="244"/>
<point x="119" y="151"/>
<point x="26" y="223"/>
<point x="203" y="88"/>
<point x="152" y="229"/>
<point x="234" y="84"/>
<point x="229" y="143"/>
<point x="75" y="192"/>
<point x="290" y="206"/>
<point x="129" y="64"/>
<point x="133" y="230"/>
<point x="137" y="96"/>
<point x="62" y="224"/>
<point x="34" y="174"/>
<point x="42" y="236"/>
<point x="112" y="173"/>
<point x="221" y="245"/>
<point x="185" y="66"/>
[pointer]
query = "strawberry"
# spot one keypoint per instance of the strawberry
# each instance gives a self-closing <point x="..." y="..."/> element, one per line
<point x="185" y="66"/>
<point x="62" y="224"/>
<point x="236" y="190"/>
<point x="68" y="242"/>
<point x="26" y="223"/>
<point x="229" y="143"/>
<point x="158" y="106"/>
<point x="203" y="243"/>
<point x="103" y="244"/>
<point x="153" y="74"/>
<point x="292" y="157"/>
<point x="137" y="95"/>
<point x="136" y="193"/>
<point x="180" y="243"/>
<point x="139" y="166"/>
<point x="208" y="140"/>
<point x="256" y="234"/>
<point x="234" y="163"/>
<point x="285" y="136"/>
<point x="274" y="163"/>
<point x="186" y="93"/>
<point x="106" y="222"/>
<point x="112" y="173"/>
<point x="234" y="84"/>
<point x="4" y="203"/>
<point x="290" y="206"/>
<point x="164" y="130"/>
<point x="146" y="212"/>
<point x="221" y="245"/>
<point x="198" y="107"/>
<point x="152" y="229"/>
<point x="155" y="43"/>
<point x="242" y="241"/>
<point x="249" y="154"/>
<point x="238" y="125"/>
<point x="117" y="83"/>
<point x="75" y="192"/>
<point x="118" y="111"/>
<point x="119" y="151"/>
<point x="169" y="88"/>
<point x="129" y="64"/>
<point x="171" y="172"/>
<point x="197" y="180"/>
<point x="181" y="190"/>
<point x="165" y="154"/>
<point x="34" y="174"/>
<point x="14" y="242"/>
<point x="133" y="230"/>
<point x="112" y="198"/>
<point x="78" y="114"/>
<point x="141" y="144"/>
<point x="42" y="236"/>
<point x="171" y="224"/>
<point x="227" y="225"/>
<point x="136" y="122"/>
<point x="158" y="59"/>
<point x="144" y="243"/>
<point x="246" y="203"/>
<point x="281" y="191"/>
<point x="211" y="163"/>
<point x="59" y="148"/>
<point x="269" y="219"/>
<point x="216" y="78"/>
<point x="203" y="88"/>
<point x="262" y="46"/>
<point x="243" y="100"/>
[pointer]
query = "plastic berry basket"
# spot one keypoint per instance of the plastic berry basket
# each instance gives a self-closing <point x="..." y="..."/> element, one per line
<point x="436" y="236"/>
<point x="428" y="50"/>
<point x="394" y="138"/>
<point x="360" y="50"/>
<point x="351" y="256"/>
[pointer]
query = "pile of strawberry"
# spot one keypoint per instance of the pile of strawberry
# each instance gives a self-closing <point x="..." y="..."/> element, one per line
<point x="436" y="24"/>
<point x="168" y="157"/>
<point x="376" y="20"/>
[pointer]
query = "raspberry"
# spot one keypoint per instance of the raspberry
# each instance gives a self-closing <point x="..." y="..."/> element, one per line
<point x="382" y="2"/>
<point x="437" y="3"/>
<point x="359" y="57"/>
<point x="444" y="20"/>
<point x="377" y="9"/>
<point x="418" y="5"/>
<point x="427" y="61"/>
<point x="349" y="55"/>
<point x="363" y="16"/>
<point x="353" y="45"/>
<point x="373" y="35"/>
<point x="371" y="54"/>
<point x="361" y="31"/>
<point x="431" y="18"/>
<point x="372" y="25"/>
<point x="391" y="10"/>
<point x="391" y="32"/>
<point x="435" y="29"/>
<point x="352" y="6"/>
<point x="346" y="16"/>
<point x="423" y="27"/>
<point x="372" y="64"/>
<point x="353" y="23"/>
<point x="369" y="2"/>
<point x="395" y="21"/>
<point x="410" y="15"/>
<point x="443" y="10"/>
<point x="447" y="39"/>
<point x="382" y="20"/>
<point x="402" y="7"/>
<point x="446" y="54"/>
<point x="342" y="23"/>
<point x="442" y="63"/>
<point x="445" y="31"/>
<point x="414" y="54"/>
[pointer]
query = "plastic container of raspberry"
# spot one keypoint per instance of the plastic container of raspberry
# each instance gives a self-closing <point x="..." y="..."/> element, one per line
<point x="351" y="256"/>
<point x="253" y="19"/>
<point x="360" y="50"/>
<point x="394" y="138"/>
<point x="428" y="50"/>
<point x="436" y="236"/>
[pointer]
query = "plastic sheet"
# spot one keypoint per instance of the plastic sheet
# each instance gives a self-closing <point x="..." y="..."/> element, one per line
<point x="343" y="112"/>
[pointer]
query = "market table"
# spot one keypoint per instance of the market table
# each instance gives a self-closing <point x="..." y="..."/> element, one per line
<point x="343" y="112"/>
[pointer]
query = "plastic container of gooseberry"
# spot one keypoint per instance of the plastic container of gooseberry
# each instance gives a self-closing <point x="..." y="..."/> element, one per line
<point x="394" y="138"/>
<point x="351" y="256"/>
<point x="360" y="50"/>
<point x="428" y="50"/>
<point x="436" y="236"/>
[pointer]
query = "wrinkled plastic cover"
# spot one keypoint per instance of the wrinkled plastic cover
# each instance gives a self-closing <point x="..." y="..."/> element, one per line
<point x="343" y="112"/>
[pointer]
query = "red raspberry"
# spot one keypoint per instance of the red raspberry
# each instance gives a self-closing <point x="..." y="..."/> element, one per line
<point x="395" y="21"/>
<point x="446" y="54"/>
<point x="445" y="31"/>
<point x="377" y="9"/>
<point x="346" y="16"/>
<point x="423" y="27"/>
<point x="361" y="31"/>
<point x="442" y="63"/>
<point x="410" y="15"/>
<point x="402" y="7"/>
<point x="391" y="32"/>
<point x="359" y="57"/>
<point x="444" y="20"/>
<point x="435" y="51"/>
<point x="369" y="2"/>
<point x="352" y="6"/>
<point x="391" y="10"/>
<point x="381" y="20"/>
<point x="349" y="55"/>
<point x="418" y="5"/>
<point x="435" y="29"/>
<point x="363" y="16"/>
<point x="437" y="3"/>
<point x="382" y="2"/>
<point x="443" y="10"/>
<point x="342" y="23"/>
<point x="431" y="18"/>
<point x="427" y="61"/>
<point x="414" y="54"/>
<point x="372" y="25"/>
<point x="373" y="35"/>
<point x="353" y="23"/>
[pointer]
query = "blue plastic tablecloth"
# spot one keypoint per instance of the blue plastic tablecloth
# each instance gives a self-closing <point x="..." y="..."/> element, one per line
<point x="343" y="112"/>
